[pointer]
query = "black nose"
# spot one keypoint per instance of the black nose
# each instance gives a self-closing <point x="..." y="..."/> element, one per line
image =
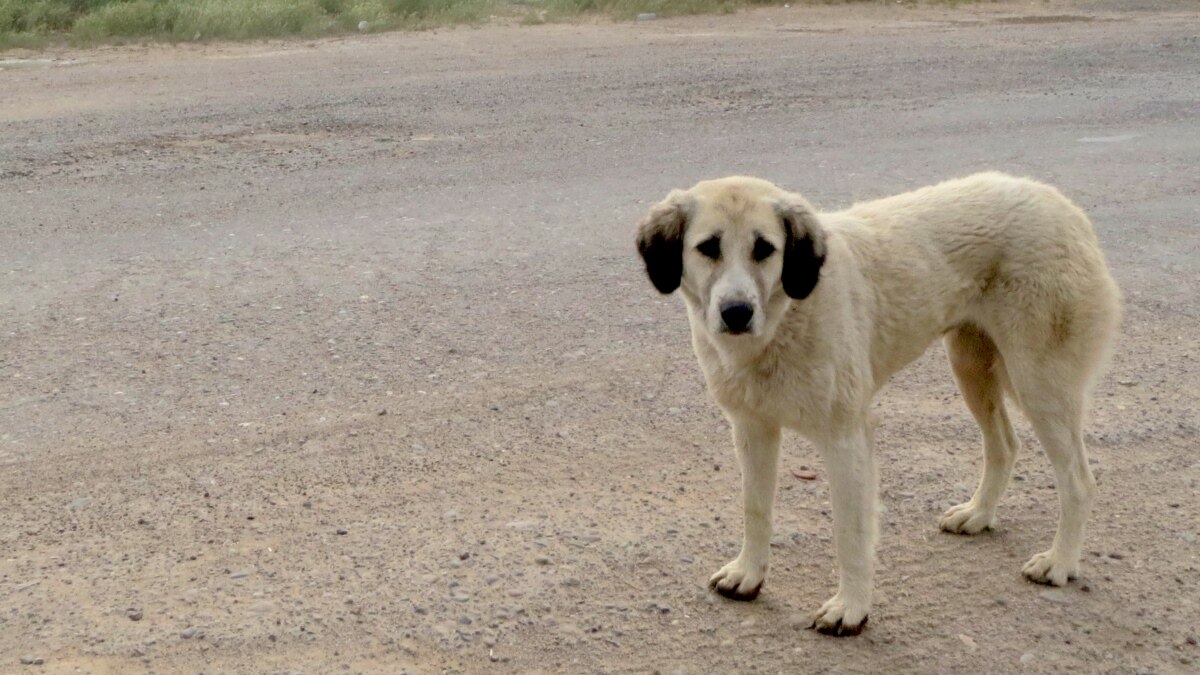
<point x="736" y="316"/>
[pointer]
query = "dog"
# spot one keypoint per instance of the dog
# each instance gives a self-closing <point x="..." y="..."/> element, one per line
<point x="798" y="318"/>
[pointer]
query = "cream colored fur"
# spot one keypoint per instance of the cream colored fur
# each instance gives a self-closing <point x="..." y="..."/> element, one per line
<point x="1005" y="270"/>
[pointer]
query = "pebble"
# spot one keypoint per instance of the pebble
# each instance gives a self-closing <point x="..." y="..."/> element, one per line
<point x="804" y="474"/>
<point x="134" y="614"/>
<point x="647" y="16"/>
<point x="1055" y="596"/>
<point x="461" y="597"/>
<point x="542" y="560"/>
<point x="362" y="26"/>
<point x="341" y="531"/>
<point x="1027" y="658"/>
<point x="31" y="661"/>
<point x="191" y="632"/>
<point x="79" y="503"/>
<point x="968" y="641"/>
<point x="450" y="515"/>
<point x="240" y="574"/>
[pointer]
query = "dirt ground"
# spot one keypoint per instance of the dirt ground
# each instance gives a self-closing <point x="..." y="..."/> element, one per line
<point x="336" y="356"/>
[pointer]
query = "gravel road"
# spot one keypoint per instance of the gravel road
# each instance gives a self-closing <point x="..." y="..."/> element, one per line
<point x="336" y="356"/>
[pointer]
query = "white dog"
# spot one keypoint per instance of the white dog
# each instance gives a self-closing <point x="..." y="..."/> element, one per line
<point x="799" y="317"/>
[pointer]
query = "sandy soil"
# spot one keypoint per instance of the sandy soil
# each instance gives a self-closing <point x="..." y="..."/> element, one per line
<point x="337" y="357"/>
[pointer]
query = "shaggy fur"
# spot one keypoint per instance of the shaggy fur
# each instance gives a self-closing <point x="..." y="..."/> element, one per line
<point x="798" y="318"/>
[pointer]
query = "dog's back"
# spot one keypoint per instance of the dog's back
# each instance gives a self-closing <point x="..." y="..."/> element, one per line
<point x="1011" y="255"/>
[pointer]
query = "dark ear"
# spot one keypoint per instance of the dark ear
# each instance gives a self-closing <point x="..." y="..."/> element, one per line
<point x="660" y="242"/>
<point x="804" y="247"/>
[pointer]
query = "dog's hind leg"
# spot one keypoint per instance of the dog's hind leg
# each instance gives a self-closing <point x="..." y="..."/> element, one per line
<point x="1053" y="398"/>
<point x="979" y="371"/>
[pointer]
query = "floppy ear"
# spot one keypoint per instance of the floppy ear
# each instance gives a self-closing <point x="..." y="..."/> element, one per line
<point x="660" y="242"/>
<point x="803" y="249"/>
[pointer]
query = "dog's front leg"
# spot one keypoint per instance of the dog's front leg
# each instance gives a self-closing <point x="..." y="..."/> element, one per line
<point x="757" y="444"/>
<point x="853" y="485"/>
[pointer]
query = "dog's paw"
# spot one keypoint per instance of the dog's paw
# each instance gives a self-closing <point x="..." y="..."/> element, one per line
<point x="1044" y="569"/>
<point x="840" y="618"/>
<point x="967" y="518"/>
<point x="739" y="580"/>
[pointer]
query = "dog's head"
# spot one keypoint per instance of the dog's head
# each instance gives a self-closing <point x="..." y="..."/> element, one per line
<point x="739" y="249"/>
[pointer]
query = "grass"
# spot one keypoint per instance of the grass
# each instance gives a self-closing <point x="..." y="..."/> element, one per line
<point x="34" y="23"/>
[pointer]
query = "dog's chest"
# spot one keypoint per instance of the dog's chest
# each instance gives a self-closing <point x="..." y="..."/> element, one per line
<point x="756" y="389"/>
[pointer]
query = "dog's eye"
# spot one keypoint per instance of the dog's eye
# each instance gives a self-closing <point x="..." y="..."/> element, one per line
<point x="710" y="247"/>
<point x="762" y="250"/>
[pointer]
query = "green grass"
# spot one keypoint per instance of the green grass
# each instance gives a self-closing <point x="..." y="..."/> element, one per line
<point x="34" y="23"/>
<point x="30" y="23"/>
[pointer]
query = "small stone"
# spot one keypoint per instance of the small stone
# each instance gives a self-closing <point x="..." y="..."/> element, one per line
<point x="362" y="26"/>
<point x="1057" y="597"/>
<point x="571" y="582"/>
<point x="31" y="661"/>
<point x="968" y="641"/>
<point x="134" y="614"/>
<point x="79" y="503"/>
<point x="190" y="632"/>
<point x="464" y="555"/>
<point x="647" y="16"/>
<point x="804" y="474"/>
<point x="461" y="597"/>
<point x="542" y="560"/>
<point x="1116" y="556"/>
<point x="240" y="574"/>
<point x="450" y="515"/>
<point x="1026" y="658"/>
<point x="341" y="531"/>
